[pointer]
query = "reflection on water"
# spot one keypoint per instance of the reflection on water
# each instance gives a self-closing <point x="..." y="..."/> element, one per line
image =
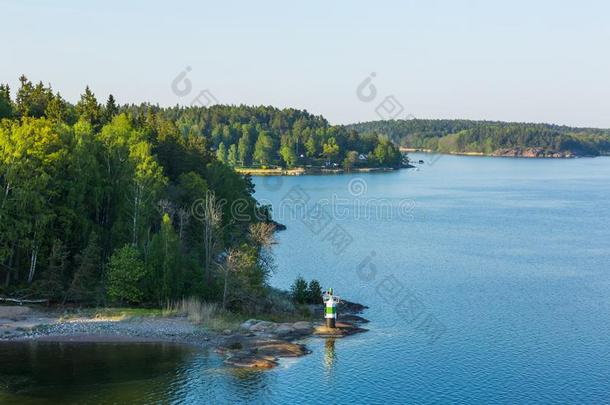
<point x="330" y="356"/>
<point x="121" y="373"/>
<point x="72" y="372"/>
<point x="34" y="372"/>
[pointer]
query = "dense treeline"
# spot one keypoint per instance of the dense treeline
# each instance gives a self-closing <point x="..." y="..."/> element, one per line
<point x="458" y="136"/>
<point x="101" y="203"/>
<point x="243" y="136"/>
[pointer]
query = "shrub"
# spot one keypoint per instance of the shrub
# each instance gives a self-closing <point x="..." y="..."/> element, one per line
<point x="301" y="293"/>
<point x="278" y="302"/>
<point x="298" y="290"/>
<point x="125" y="272"/>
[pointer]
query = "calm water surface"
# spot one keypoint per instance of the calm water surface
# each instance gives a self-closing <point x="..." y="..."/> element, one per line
<point x="487" y="281"/>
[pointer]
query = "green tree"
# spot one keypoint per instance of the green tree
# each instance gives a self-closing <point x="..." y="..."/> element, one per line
<point x="288" y="155"/>
<point x="240" y="276"/>
<point x="164" y="263"/>
<point x="33" y="154"/>
<point x="110" y="110"/>
<point x="85" y="285"/>
<point x="191" y="191"/>
<point x="263" y="149"/>
<point x="32" y="100"/>
<point x="148" y="181"/>
<point x="6" y="104"/>
<point x="314" y="292"/>
<point x="351" y="158"/>
<point x="125" y="274"/>
<point x="243" y="150"/>
<point x="89" y="109"/>
<point x="330" y="149"/>
<point x="298" y="290"/>
<point x="24" y="96"/>
<point x="57" y="109"/>
<point x="221" y="153"/>
<point x="311" y="148"/>
<point x="387" y="154"/>
<point x="50" y="285"/>
<point x="232" y="156"/>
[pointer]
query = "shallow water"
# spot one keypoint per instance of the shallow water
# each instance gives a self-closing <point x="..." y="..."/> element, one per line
<point x="489" y="283"/>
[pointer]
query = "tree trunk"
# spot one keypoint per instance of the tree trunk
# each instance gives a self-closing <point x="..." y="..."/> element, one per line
<point x="224" y="293"/>
<point x="181" y="216"/>
<point x="211" y="217"/>
<point x="7" y="280"/>
<point x="6" y="190"/>
<point x="33" y="260"/>
<point x="135" y="217"/>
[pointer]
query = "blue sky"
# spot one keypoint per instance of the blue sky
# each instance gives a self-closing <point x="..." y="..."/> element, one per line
<point x="543" y="61"/>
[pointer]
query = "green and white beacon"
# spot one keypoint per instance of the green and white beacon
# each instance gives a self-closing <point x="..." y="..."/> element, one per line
<point x="330" y="308"/>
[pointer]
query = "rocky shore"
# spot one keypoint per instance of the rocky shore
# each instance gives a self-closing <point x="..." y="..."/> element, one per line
<point x="533" y="153"/>
<point x="254" y="344"/>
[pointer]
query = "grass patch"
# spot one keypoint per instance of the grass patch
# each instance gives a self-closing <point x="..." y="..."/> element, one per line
<point x="212" y="317"/>
<point x="209" y="315"/>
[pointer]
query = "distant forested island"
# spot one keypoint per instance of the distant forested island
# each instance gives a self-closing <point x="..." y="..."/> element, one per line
<point x="491" y="137"/>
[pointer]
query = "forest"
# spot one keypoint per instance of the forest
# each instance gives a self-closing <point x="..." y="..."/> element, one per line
<point x="263" y="136"/>
<point x="107" y="204"/>
<point x="464" y="136"/>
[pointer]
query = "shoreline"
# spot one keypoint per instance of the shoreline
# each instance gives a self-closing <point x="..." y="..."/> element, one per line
<point x="254" y="344"/>
<point x="146" y="329"/>
<point x="304" y="171"/>
<point x="505" y="154"/>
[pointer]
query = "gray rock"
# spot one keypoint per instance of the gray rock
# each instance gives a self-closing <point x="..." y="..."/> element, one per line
<point x="303" y="327"/>
<point x="284" y="329"/>
<point x="263" y="326"/>
<point x="249" y="323"/>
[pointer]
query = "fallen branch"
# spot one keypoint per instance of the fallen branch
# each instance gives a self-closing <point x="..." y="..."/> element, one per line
<point x="21" y="302"/>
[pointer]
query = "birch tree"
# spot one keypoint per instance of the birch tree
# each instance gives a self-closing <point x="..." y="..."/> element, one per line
<point x="210" y="219"/>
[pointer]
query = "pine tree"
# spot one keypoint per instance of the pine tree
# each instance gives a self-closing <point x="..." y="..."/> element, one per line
<point x="314" y="292"/>
<point x="24" y="95"/>
<point x="89" y="109"/>
<point x="111" y="109"/>
<point x="6" y="105"/>
<point x="298" y="290"/>
<point x="57" y="109"/>
<point x="51" y="282"/>
<point x="87" y="276"/>
<point x="125" y="273"/>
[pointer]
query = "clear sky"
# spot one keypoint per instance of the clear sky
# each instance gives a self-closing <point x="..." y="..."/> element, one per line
<point x="539" y="61"/>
